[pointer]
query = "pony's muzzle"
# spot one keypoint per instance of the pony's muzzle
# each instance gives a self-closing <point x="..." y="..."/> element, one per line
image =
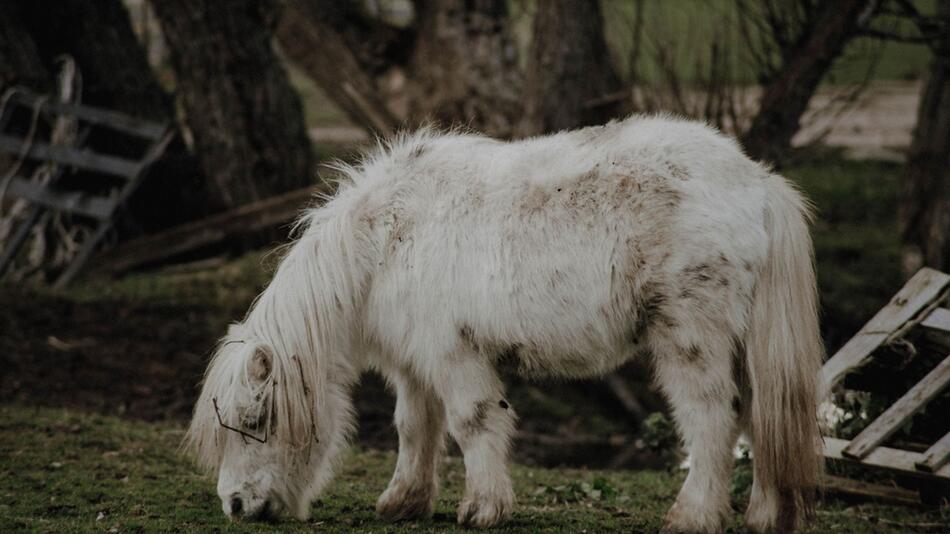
<point x="239" y="508"/>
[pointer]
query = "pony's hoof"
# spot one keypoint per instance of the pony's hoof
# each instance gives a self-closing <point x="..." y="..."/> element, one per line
<point x="400" y="504"/>
<point x="484" y="513"/>
<point x="680" y="521"/>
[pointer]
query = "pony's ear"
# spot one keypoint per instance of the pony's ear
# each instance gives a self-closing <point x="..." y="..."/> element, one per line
<point x="235" y="330"/>
<point x="259" y="367"/>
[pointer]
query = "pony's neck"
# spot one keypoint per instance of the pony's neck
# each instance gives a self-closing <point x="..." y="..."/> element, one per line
<point x="311" y="308"/>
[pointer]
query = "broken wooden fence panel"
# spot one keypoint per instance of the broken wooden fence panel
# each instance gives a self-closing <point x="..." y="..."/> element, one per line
<point x="936" y="456"/>
<point x="64" y="155"/>
<point x="917" y="293"/>
<point x="100" y="207"/>
<point x="916" y="309"/>
<point x="894" y="417"/>
<point x="148" y="130"/>
<point x="894" y="460"/>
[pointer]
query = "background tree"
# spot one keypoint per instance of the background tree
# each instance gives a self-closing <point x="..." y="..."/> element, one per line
<point x="246" y="121"/>
<point x="20" y="62"/>
<point x="98" y="35"/>
<point x="807" y="36"/>
<point x="569" y="69"/>
<point x="454" y="63"/>
<point x="925" y="200"/>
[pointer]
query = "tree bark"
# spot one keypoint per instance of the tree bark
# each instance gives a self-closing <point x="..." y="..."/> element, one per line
<point x="115" y="71"/>
<point x="569" y="69"/>
<point x="463" y="69"/>
<point x="20" y="62"/>
<point x="806" y="62"/>
<point x="312" y="34"/>
<point x="458" y="61"/>
<point x="925" y="200"/>
<point x="246" y="120"/>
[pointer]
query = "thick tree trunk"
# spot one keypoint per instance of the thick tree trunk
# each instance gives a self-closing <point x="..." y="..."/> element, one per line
<point x="569" y="69"/>
<point x="246" y="120"/>
<point x="99" y="36"/>
<point x="458" y="62"/>
<point x="925" y="199"/>
<point x="311" y="35"/>
<point x="20" y="62"/>
<point x="464" y="69"/>
<point x="786" y="96"/>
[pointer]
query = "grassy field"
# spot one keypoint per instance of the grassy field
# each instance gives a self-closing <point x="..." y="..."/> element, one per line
<point x="69" y="472"/>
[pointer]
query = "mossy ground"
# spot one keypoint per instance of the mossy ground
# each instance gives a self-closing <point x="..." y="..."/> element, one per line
<point x="62" y="471"/>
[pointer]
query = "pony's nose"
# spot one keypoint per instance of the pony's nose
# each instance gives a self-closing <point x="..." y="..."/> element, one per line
<point x="236" y="506"/>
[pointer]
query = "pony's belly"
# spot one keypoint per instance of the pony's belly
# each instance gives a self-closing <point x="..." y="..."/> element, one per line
<point x="590" y="363"/>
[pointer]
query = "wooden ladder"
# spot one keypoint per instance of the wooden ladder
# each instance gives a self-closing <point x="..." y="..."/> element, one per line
<point x="101" y="208"/>
<point x="920" y="304"/>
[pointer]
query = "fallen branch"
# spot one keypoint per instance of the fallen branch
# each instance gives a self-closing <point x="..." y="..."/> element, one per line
<point x="267" y="213"/>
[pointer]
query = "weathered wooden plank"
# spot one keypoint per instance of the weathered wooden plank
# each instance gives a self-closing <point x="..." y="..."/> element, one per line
<point x="64" y="155"/>
<point x="112" y="119"/>
<point x="884" y="458"/>
<point x="939" y="319"/>
<point x="936" y="456"/>
<point x="72" y="201"/>
<point x="14" y="243"/>
<point x="936" y="330"/>
<point x="876" y="492"/>
<point x="919" y="291"/>
<point x="912" y="402"/>
<point x="154" y="151"/>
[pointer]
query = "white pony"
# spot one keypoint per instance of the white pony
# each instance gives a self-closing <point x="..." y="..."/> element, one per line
<point x="570" y="254"/>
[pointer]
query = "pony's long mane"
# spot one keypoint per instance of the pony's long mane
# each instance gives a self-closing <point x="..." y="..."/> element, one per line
<point x="302" y="321"/>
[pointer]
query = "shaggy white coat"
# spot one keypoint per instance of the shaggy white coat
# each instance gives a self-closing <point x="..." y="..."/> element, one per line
<point x="570" y="254"/>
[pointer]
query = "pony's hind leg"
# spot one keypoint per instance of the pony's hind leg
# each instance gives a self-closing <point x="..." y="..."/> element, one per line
<point x="696" y="376"/>
<point x="481" y="422"/>
<point x="420" y="421"/>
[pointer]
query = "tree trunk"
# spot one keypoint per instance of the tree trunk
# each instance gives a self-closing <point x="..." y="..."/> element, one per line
<point x="311" y="35"/>
<point x="20" y="62"/>
<point x="246" y="120"/>
<point x="463" y="69"/>
<point x="458" y="62"/>
<point x="786" y="96"/>
<point x="569" y="69"/>
<point x="925" y="200"/>
<point x="115" y="71"/>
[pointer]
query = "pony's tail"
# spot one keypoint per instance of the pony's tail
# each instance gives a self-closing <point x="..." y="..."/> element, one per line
<point x="785" y="353"/>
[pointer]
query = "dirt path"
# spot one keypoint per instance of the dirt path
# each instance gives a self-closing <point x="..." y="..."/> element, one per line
<point x="878" y="126"/>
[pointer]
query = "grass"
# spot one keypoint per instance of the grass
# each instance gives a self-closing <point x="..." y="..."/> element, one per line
<point x="686" y="29"/>
<point x="70" y="472"/>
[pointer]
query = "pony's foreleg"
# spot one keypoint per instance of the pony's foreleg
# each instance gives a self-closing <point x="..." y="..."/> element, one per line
<point x="420" y="421"/>
<point x="481" y="421"/>
<point x="697" y="379"/>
